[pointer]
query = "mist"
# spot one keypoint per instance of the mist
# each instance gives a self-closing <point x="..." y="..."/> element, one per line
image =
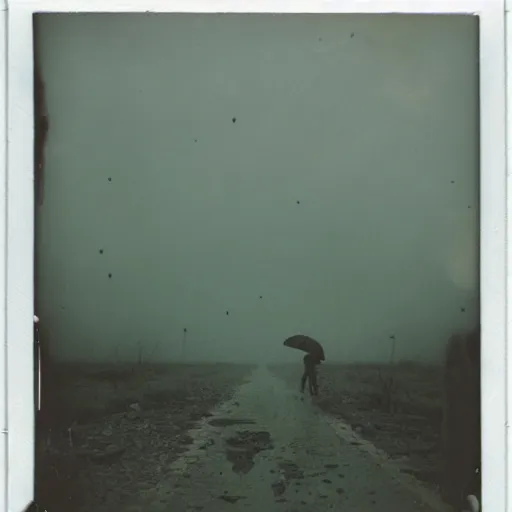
<point x="219" y="183"/>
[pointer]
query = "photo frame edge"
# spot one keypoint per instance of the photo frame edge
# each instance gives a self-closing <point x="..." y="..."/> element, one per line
<point x="3" y="233"/>
<point x="19" y="214"/>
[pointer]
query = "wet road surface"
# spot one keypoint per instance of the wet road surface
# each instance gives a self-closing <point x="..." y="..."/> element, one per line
<point x="267" y="449"/>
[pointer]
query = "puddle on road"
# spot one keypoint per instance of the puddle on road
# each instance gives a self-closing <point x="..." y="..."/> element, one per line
<point x="316" y="474"/>
<point x="228" y="422"/>
<point x="288" y="471"/>
<point x="291" y="471"/>
<point x="231" y="498"/>
<point x="244" y="446"/>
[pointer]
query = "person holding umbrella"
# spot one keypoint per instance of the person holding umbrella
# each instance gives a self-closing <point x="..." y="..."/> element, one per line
<point x="311" y="361"/>
<point x="314" y="356"/>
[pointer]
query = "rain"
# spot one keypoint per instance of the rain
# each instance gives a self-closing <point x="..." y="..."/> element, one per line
<point x="256" y="263"/>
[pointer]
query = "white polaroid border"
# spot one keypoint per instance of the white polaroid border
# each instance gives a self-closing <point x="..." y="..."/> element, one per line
<point x="17" y="216"/>
<point x="3" y="244"/>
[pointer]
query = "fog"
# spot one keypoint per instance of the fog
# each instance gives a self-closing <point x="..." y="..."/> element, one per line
<point x="214" y="184"/>
<point x="219" y="183"/>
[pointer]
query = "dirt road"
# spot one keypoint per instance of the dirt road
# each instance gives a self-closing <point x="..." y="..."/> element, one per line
<point x="267" y="449"/>
<point x="403" y="420"/>
<point x="109" y="433"/>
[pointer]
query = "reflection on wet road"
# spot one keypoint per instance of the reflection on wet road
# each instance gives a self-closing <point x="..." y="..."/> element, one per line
<point x="266" y="449"/>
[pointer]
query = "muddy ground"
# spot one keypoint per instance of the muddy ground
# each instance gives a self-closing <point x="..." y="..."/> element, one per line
<point x="109" y="432"/>
<point x="105" y="429"/>
<point x="397" y="408"/>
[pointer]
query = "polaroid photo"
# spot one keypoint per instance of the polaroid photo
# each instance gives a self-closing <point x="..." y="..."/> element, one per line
<point x="255" y="255"/>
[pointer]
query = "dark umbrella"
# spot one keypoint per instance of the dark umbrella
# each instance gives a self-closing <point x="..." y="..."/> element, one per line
<point x="306" y="344"/>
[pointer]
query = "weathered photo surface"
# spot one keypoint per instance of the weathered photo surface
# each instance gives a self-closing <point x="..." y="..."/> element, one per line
<point x="257" y="280"/>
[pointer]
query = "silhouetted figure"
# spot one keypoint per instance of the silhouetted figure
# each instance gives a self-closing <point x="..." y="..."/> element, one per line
<point x="310" y="364"/>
